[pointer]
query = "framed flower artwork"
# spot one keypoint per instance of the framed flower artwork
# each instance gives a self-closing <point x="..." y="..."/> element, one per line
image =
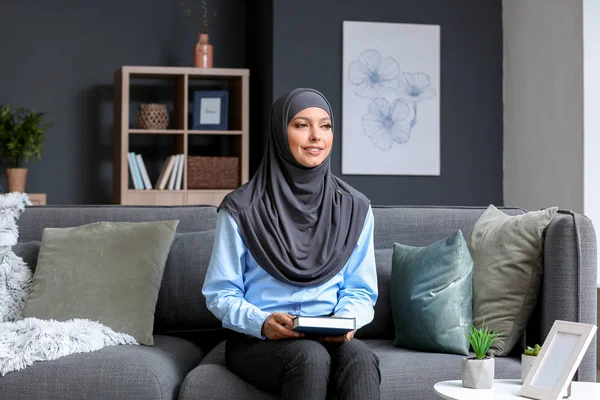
<point x="390" y="99"/>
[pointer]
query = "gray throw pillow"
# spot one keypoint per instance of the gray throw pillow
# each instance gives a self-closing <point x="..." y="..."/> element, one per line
<point x="108" y="272"/>
<point x="507" y="252"/>
<point x="431" y="295"/>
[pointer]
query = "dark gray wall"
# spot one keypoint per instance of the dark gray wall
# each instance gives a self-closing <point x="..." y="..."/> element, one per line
<point x="307" y="52"/>
<point x="60" y="56"/>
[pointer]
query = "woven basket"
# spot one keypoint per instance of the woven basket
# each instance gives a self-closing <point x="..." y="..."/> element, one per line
<point x="213" y="172"/>
<point x="152" y="116"/>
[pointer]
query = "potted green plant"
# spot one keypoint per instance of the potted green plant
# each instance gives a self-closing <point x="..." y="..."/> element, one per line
<point x="21" y="139"/>
<point x="528" y="359"/>
<point x="478" y="372"/>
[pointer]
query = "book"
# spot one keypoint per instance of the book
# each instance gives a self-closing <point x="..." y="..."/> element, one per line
<point x="130" y="160"/>
<point x="138" y="176"/>
<point x="171" y="185"/>
<point x="144" y="172"/>
<point x="168" y="169"/>
<point x="324" y="326"/>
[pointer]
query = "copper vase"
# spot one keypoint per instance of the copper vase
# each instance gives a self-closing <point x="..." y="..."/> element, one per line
<point x="203" y="57"/>
<point x="16" y="178"/>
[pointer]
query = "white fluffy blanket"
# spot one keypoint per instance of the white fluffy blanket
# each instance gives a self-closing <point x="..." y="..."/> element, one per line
<point x="29" y="340"/>
<point x="25" y="341"/>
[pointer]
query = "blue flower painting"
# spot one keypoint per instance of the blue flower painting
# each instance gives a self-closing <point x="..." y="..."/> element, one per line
<point x="372" y="76"/>
<point x="415" y="87"/>
<point x="388" y="121"/>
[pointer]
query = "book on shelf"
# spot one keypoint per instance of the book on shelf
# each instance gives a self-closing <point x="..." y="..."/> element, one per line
<point x="138" y="182"/>
<point x="170" y="177"/>
<point x="144" y="172"/>
<point x="179" y="175"/>
<point x="131" y="162"/>
<point x="324" y="325"/>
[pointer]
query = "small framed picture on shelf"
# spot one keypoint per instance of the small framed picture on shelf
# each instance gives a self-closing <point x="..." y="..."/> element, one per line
<point x="210" y="110"/>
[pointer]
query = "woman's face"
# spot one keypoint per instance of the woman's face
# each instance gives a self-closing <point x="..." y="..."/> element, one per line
<point x="310" y="136"/>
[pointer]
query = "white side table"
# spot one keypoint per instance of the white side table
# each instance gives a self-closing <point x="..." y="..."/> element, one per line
<point x="508" y="389"/>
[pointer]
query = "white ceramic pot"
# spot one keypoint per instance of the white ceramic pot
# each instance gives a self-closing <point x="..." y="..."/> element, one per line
<point x="526" y="364"/>
<point x="477" y="374"/>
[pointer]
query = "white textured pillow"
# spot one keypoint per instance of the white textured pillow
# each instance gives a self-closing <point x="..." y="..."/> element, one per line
<point x="15" y="275"/>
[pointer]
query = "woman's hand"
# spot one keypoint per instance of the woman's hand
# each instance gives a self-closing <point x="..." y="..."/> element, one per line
<point x="339" y="339"/>
<point x="279" y="326"/>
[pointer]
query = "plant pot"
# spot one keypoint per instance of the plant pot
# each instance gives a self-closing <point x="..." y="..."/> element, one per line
<point x="477" y="374"/>
<point x="526" y="364"/>
<point x="16" y="178"/>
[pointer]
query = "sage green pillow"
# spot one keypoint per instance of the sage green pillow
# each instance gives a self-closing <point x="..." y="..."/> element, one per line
<point x="108" y="272"/>
<point x="507" y="272"/>
<point x="431" y="295"/>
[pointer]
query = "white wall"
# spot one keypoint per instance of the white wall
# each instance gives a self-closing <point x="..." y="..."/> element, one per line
<point x="591" y="120"/>
<point x="543" y="104"/>
<point x="552" y="105"/>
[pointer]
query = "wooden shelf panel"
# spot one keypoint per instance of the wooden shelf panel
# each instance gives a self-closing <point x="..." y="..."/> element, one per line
<point x="206" y="196"/>
<point x="166" y="72"/>
<point x="155" y="197"/>
<point x="156" y="131"/>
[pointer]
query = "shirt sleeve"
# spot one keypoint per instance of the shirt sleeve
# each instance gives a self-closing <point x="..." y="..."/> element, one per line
<point x="359" y="292"/>
<point x="224" y="284"/>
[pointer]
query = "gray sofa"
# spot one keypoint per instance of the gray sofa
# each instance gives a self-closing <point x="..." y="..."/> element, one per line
<point x="187" y="360"/>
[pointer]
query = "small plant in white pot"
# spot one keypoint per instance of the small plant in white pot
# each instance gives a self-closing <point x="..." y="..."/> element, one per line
<point x="478" y="372"/>
<point x="528" y="359"/>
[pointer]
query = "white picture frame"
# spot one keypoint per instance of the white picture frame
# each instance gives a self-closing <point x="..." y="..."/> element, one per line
<point x="390" y="99"/>
<point x="559" y="358"/>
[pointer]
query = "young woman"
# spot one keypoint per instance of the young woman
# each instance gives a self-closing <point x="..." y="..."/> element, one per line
<point x="296" y="240"/>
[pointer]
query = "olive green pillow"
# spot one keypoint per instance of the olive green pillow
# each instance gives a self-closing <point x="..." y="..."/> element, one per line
<point x="431" y="295"/>
<point x="507" y="273"/>
<point x="108" y="272"/>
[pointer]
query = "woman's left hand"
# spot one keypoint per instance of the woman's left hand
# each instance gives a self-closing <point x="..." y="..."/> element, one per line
<point x="339" y="339"/>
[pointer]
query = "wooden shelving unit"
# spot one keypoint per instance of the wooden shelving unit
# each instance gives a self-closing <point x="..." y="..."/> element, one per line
<point x="184" y="80"/>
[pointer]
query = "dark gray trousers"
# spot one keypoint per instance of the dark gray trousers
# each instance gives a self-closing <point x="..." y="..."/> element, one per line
<point x="305" y="368"/>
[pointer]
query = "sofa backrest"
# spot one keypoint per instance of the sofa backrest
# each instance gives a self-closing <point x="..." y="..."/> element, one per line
<point x="412" y="226"/>
<point x="181" y="307"/>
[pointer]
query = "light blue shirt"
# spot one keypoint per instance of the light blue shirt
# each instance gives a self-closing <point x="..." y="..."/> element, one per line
<point x="242" y="294"/>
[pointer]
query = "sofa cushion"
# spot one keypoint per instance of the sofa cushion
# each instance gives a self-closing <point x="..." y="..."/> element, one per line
<point x="411" y="226"/>
<point x="215" y="381"/>
<point x="108" y="272"/>
<point x="406" y="374"/>
<point x="191" y="219"/>
<point x="507" y="255"/>
<point x="114" y="372"/>
<point x="382" y="326"/>
<point x="426" y="369"/>
<point x="432" y="295"/>
<point x="181" y="305"/>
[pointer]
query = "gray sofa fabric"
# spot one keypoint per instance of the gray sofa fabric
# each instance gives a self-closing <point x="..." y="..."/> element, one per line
<point x="405" y="374"/>
<point x="113" y="372"/>
<point x="176" y="367"/>
<point x="569" y="282"/>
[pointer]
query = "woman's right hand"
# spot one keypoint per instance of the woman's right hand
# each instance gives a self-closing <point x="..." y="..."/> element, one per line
<point x="279" y="326"/>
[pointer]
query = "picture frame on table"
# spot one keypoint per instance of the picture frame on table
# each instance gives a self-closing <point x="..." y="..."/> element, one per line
<point x="210" y="110"/>
<point x="551" y="375"/>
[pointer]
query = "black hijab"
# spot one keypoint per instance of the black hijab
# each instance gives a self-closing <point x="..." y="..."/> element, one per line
<point x="300" y="224"/>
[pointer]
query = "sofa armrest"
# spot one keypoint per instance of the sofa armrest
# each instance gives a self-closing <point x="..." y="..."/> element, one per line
<point x="570" y="280"/>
